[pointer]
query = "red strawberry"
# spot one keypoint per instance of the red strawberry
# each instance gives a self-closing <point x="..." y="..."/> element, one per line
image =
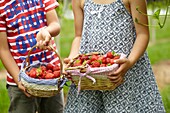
<point x="33" y="73"/>
<point x="49" y="66"/>
<point x="107" y="60"/>
<point x="49" y="76"/>
<point x="95" y="64"/>
<point x="102" y="65"/>
<point x="43" y="68"/>
<point x="83" y="57"/>
<point x="43" y="75"/>
<point x="56" y="74"/>
<point x="56" y="68"/>
<point x="103" y="59"/>
<point x="112" y="61"/>
<point x="49" y="71"/>
<point x="94" y="57"/>
<point x="110" y="54"/>
<point x="116" y="56"/>
<point x="88" y="62"/>
<point x="77" y="63"/>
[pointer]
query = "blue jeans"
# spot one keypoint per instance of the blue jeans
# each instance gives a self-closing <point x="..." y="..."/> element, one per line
<point x="20" y="103"/>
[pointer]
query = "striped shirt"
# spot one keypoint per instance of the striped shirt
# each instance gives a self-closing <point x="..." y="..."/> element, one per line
<point x="21" y="20"/>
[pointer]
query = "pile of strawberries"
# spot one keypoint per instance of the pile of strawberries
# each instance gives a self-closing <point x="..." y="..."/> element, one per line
<point x="96" y="60"/>
<point x="48" y="71"/>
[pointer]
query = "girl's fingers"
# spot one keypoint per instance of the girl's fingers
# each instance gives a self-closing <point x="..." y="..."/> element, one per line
<point x="120" y="61"/>
<point x="116" y="80"/>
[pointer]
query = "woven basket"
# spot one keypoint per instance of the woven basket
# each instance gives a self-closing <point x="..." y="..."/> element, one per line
<point x="41" y="87"/>
<point x="87" y="78"/>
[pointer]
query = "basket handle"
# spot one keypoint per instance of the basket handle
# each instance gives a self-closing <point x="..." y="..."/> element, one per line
<point x="35" y="46"/>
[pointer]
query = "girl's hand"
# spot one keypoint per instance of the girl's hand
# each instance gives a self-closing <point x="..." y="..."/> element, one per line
<point x="43" y="39"/>
<point x="118" y="75"/>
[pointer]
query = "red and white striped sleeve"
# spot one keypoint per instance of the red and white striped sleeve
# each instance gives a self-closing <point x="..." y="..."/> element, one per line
<point x="2" y="22"/>
<point x="50" y="4"/>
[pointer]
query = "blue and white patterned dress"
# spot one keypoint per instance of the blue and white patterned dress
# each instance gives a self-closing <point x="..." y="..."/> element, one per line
<point x="110" y="27"/>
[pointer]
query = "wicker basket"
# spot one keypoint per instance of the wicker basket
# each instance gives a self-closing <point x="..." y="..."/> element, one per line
<point x="41" y="87"/>
<point x="87" y="78"/>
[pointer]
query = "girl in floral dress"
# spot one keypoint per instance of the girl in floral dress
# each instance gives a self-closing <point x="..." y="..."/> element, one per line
<point x="107" y="25"/>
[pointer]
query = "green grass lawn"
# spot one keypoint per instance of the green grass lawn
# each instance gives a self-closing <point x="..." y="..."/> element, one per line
<point x="159" y="52"/>
<point x="4" y="100"/>
<point x="156" y="53"/>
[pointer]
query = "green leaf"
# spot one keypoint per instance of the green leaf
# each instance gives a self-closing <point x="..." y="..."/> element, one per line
<point x="156" y="14"/>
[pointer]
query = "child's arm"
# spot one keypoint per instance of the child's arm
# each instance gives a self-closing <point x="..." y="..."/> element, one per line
<point x="53" y="29"/>
<point x="78" y="23"/>
<point x="141" y="43"/>
<point x="8" y="61"/>
<point x="142" y="31"/>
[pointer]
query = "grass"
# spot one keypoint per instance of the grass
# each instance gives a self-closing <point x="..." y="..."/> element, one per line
<point x="159" y="52"/>
<point x="66" y="37"/>
<point x="166" y="98"/>
<point x="3" y="97"/>
<point x="1" y="65"/>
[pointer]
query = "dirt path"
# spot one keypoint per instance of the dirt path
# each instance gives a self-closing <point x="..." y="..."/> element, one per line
<point x="162" y="73"/>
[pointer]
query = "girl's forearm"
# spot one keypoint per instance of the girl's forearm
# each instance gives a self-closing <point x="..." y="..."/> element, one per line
<point x="75" y="47"/>
<point x="139" y="48"/>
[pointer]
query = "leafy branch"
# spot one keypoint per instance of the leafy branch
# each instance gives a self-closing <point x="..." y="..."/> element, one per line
<point x="156" y="16"/>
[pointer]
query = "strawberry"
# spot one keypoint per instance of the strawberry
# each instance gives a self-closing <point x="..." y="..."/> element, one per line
<point x="116" y="56"/>
<point x="56" y="74"/>
<point x="88" y="62"/>
<point x="95" y="64"/>
<point x="77" y="63"/>
<point x="110" y="54"/>
<point x="43" y="75"/>
<point x="107" y="60"/>
<point x="49" y="76"/>
<point x="112" y="61"/>
<point x="33" y="73"/>
<point x="43" y="68"/>
<point x="83" y="57"/>
<point x="56" y="68"/>
<point x="102" y="65"/>
<point x="49" y="66"/>
<point x="104" y="60"/>
<point x="94" y="57"/>
<point x="49" y="71"/>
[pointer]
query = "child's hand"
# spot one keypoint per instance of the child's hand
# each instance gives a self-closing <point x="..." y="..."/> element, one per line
<point x="43" y="39"/>
<point x="22" y="88"/>
<point x="66" y="61"/>
<point x="118" y="75"/>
